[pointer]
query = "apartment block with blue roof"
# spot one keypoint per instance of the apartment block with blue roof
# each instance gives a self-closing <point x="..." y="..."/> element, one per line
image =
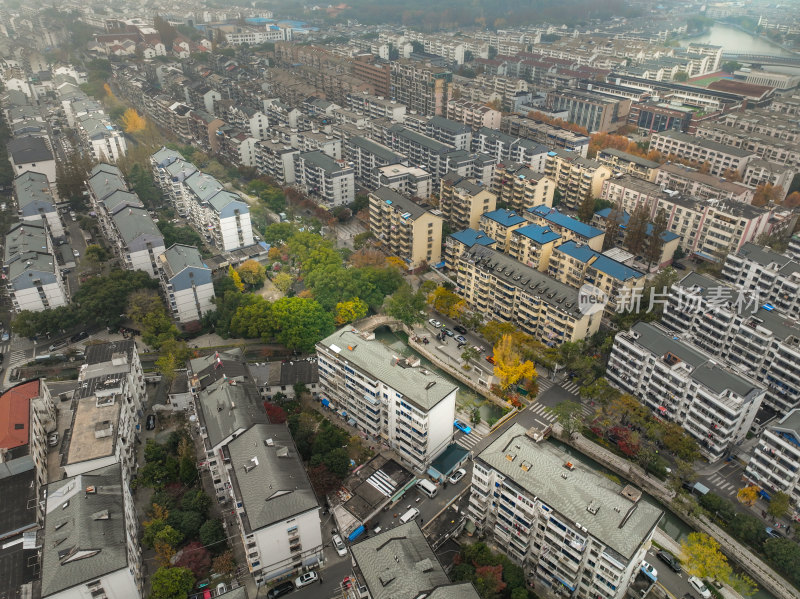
<point x="499" y="224"/>
<point x="533" y="244"/>
<point x="671" y="241"/>
<point x="460" y="241"/>
<point x="569" y="228"/>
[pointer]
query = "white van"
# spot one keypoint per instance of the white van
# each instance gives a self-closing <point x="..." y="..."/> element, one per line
<point x="428" y="488"/>
<point x="409" y="515"/>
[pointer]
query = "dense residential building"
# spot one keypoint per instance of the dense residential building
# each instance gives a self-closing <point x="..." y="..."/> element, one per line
<point x="622" y="162"/>
<point x="520" y="187"/>
<point x="650" y="116"/>
<point x="90" y="542"/>
<point x="462" y="201"/>
<point x="283" y="379"/>
<point x="474" y="114"/>
<point x="706" y="228"/>
<point x="684" y="385"/>
<point x="500" y="224"/>
<point x="33" y="276"/>
<point x="577" y="264"/>
<point x="533" y="245"/>
<point x="691" y="182"/>
<point x="759" y="341"/>
<point x="405" y="229"/>
<point x="460" y="241"/>
<point x="325" y="179"/>
<point x="508" y="290"/>
<point x="772" y="277"/>
<point x="571" y="529"/>
<point x="366" y="156"/>
<point x="452" y="133"/>
<point x="775" y="465"/>
<point x="410" y="408"/>
<point x="377" y="107"/>
<point x="670" y="242"/>
<point x="104" y="142"/>
<point x="720" y="158"/>
<point x="575" y="176"/>
<point x="186" y="283"/>
<point x="400" y="564"/>
<point x="32" y="153"/>
<point x="567" y="227"/>
<point x="276" y="508"/>
<point x="509" y="149"/>
<point x="35" y="202"/>
<point x="407" y="180"/>
<point x="545" y="133"/>
<point x="422" y="88"/>
<point x="596" y="112"/>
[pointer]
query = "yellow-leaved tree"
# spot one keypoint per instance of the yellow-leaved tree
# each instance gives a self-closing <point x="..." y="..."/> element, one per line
<point x="748" y="495"/>
<point x="446" y="302"/>
<point x="350" y="310"/>
<point x="237" y="280"/>
<point x="702" y="557"/>
<point x="133" y="122"/>
<point x="508" y="365"/>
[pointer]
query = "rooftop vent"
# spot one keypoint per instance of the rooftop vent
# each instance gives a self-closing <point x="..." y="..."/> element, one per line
<point x="593" y="507"/>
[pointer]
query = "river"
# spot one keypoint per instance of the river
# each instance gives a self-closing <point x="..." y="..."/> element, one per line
<point x="736" y="41"/>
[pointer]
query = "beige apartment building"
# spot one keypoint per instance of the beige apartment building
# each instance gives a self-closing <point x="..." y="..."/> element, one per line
<point x="575" y="176"/>
<point x="522" y="188"/>
<point x="462" y="201"/>
<point x="720" y="157"/>
<point x="622" y="162"/>
<point x="406" y="229"/>
<point x="505" y="289"/>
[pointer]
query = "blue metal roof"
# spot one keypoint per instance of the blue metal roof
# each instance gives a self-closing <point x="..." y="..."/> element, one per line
<point x="583" y="253"/>
<point x="538" y="233"/>
<point x="470" y="237"/>
<point x="562" y="220"/>
<point x="507" y="218"/>
<point x="666" y="235"/>
<point x="615" y="269"/>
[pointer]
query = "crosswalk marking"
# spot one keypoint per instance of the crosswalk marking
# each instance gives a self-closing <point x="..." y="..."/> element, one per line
<point x="569" y="387"/>
<point x="18" y="356"/>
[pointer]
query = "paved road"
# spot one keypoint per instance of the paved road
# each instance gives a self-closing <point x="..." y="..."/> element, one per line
<point x="676" y="583"/>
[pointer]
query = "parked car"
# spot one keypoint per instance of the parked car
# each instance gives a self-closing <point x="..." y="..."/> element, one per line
<point x="52" y="439"/>
<point x="280" y="590"/>
<point x="434" y="323"/>
<point x="669" y="559"/>
<point x="338" y="544"/>
<point x="76" y="253"/>
<point x="490" y="359"/>
<point x="58" y="345"/>
<point x="459" y="329"/>
<point x="151" y="422"/>
<point x="462" y="427"/>
<point x="461" y="339"/>
<point x="678" y="266"/>
<point x="648" y="569"/>
<point x="457" y="476"/>
<point x="5" y="336"/>
<point x="78" y="336"/>
<point x="2" y="357"/>
<point x="447" y="332"/>
<point x="699" y="586"/>
<point x="775" y="534"/>
<point x="306" y="579"/>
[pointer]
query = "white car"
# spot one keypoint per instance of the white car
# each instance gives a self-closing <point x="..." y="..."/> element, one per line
<point x="76" y="253"/>
<point x="650" y="570"/>
<point x="457" y="476"/>
<point x="305" y="579"/>
<point x="434" y="323"/>
<point x="699" y="586"/>
<point x="339" y="546"/>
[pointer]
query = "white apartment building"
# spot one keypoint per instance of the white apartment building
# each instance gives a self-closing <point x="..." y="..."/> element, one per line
<point x="411" y="409"/>
<point x="169" y="172"/>
<point x="474" y="114"/>
<point x="104" y="141"/>
<point x="520" y="187"/>
<point x="772" y="277"/>
<point x="411" y="181"/>
<point x="452" y="133"/>
<point x="366" y="156"/>
<point x="276" y="508"/>
<point x="186" y="282"/>
<point x="508" y="149"/>
<point x="572" y="530"/>
<point x="684" y="385"/>
<point x="775" y="465"/>
<point x="276" y="159"/>
<point x="33" y="276"/>
<point x="90" y="544"/>
<point x="575" y="176"/>
<point x="332" y="183"/>
<point x="720" y="158"/>
<point x="376" y="107"/>
<point x="756" y="340"/>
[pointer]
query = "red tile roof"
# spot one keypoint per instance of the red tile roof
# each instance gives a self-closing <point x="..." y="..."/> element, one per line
<point x="15" y="411"/>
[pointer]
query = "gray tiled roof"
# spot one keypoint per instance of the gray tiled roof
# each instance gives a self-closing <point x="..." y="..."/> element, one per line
<point x="24" y="150"/>
<point x="179" y="256"/>
<point x="277" y="487"/>
<point x="422" y="390"/>
<point x="80" y="526"/>
<point x="133" y="223"/>
<point x="375" y="148"/>
<point x="705" y="143"/>
<point x="400" y="202"/>
<point x="323" y="161"/>
<point x="399" y="564"/>
<point x="538" y="468"/>
<point x="228" y="405"/>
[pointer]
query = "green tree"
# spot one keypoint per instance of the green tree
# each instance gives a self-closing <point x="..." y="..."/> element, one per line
<point x="212" y="534"/>
<point x="279" y="233"/>
<point x="96" y="254"/>
<point x="784" y="554"/>
<point x="303" y="323"/>
<point x="254" y="318"/>
<point x="188" y="470"/>
<point x="196" y="501"/>
<point x="469" y="353"/>
<point x="568" y="414"/>
<point x="171" y="583"/>
<point x="168" y="536"/>
<point x="729" y="66"/>
<point x="636" y="234"/>
<point x="613" y="226"/>
<point x="655" y="242"/>
<point x="681" y="76"/>
<point x="586" y="208"/>
<point x="779" y="504"/>
<point x="407" y="305"/>
<point x="283" y="281"/>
